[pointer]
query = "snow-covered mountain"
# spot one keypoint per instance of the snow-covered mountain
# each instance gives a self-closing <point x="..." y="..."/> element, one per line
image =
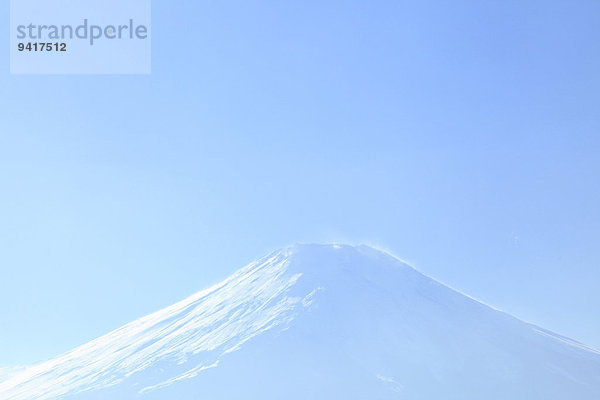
<point x="320" y="322"/>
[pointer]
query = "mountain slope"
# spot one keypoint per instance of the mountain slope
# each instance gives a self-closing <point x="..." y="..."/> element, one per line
<point x="322" y="322"/>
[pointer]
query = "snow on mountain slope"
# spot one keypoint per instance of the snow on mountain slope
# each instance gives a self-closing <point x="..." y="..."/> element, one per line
<point x="320" y="321"/>
<point x="8" y="372"/>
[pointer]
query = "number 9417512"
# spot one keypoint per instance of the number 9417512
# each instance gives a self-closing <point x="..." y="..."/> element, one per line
<point x="36" y="46"/>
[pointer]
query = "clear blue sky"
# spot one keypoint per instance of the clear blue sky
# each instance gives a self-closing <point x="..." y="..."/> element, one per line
<point x="463" y="136"/>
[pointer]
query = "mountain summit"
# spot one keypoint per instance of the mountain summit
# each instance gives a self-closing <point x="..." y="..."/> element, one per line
<point x="320" y="322"/>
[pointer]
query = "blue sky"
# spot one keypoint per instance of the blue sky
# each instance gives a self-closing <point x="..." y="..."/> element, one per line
<point x="462" y="136"/>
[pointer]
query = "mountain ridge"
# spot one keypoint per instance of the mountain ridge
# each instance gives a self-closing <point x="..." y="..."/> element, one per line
<point x="374" y="323"/>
